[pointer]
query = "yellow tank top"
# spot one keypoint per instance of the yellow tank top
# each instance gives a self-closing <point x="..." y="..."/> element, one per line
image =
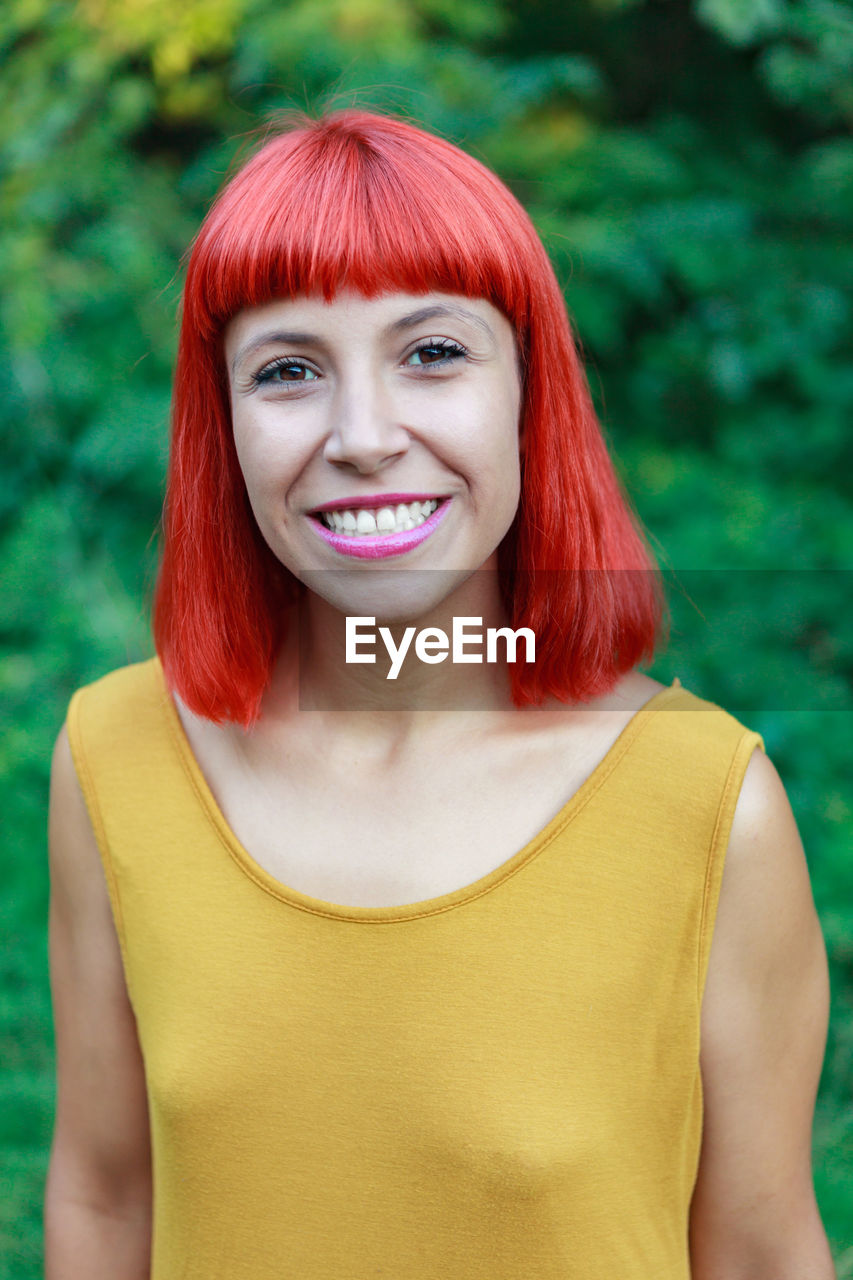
<point x="495" y="1084"/>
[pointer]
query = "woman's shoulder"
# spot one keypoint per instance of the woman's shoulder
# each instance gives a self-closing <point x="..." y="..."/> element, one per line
<point x="693" y="742"/>
<point x="134" y="677"/>
<point x="116" y="706"/>
<point x="636" y="691"/>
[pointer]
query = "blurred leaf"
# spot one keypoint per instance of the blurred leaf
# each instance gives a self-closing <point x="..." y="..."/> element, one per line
<point x="742" y="21"/>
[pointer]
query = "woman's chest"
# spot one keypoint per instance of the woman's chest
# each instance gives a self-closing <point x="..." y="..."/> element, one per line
<point x="357" y="859"/>
<point x="343" y="831"/>
<point x="387" y="849"/>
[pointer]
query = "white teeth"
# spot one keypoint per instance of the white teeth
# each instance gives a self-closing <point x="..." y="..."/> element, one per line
<point x="384" y="520"/>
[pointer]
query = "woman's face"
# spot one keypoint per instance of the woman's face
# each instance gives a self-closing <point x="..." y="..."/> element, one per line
<point x="378" y="433"/>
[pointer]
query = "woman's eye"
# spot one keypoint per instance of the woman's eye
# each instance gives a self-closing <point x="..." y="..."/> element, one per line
<point x="433" y="353"/>
<point x="285" y="371"/>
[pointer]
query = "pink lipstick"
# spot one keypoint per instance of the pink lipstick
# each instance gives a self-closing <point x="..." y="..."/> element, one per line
<point x="377" y="546"/>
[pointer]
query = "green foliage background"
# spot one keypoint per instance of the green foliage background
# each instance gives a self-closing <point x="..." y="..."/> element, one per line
<point x="690" y="167"/>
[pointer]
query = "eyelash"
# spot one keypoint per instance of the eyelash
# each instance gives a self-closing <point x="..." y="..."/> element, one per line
<point x="451" y="351"/>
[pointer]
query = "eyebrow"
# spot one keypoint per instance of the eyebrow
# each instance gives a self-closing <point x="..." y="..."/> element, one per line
<point x="438" y="311"/>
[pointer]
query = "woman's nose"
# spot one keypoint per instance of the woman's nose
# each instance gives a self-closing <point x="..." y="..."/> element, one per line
<point x="365" y="433"/>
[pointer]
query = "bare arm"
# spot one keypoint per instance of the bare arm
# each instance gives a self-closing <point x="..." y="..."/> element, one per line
<point x="98" y="1192"/>
<point x="764" y="1024"/>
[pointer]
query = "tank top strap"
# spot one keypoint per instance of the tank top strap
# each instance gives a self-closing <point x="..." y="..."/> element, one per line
<point x="133" y="784"/>
<point x="687" y="775"/>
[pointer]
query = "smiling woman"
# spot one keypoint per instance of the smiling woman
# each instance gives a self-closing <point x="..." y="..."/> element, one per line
<point x="437" y="975"/>
<point x="367" y="401"/>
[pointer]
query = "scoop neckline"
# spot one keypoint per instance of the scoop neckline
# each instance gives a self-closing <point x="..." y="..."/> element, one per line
<point x="426" y="906"/>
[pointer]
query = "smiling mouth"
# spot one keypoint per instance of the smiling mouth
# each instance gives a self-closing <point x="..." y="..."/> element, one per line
<point x="360" y="522"/>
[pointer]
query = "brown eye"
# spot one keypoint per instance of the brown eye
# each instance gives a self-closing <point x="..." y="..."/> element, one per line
<point x="284" y="370"/>
<point x="433" y="353"/>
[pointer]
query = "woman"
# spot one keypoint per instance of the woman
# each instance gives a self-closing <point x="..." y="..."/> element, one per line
<point x="344" y="984"/>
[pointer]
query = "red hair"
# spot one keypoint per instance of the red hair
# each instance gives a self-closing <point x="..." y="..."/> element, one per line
<point x="372" y="203"/>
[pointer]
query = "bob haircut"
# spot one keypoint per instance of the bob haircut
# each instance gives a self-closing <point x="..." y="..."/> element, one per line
<point x="370" y="202"/>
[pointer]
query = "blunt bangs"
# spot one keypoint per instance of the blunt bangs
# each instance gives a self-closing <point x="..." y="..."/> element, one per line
<point x="326" y="208"/>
